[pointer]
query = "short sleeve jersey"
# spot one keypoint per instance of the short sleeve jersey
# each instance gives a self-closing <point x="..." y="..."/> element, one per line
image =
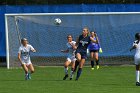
<point x="137" y="44"/>
<point x="25" y="52"/>
<point x="83" y="43"/>
<point x="93" y="46"/>
<point x="70" y="48"/>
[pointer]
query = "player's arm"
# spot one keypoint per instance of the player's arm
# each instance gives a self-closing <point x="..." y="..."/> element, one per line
<point x="94" y="41"/>
<point x="73" y="45"/>
<point x="134" y="47"/>
<point x="77" y="42"/>
<point x="32" y="49"/>
<point x="65" y="51"/>
<point x="19" y="57"/>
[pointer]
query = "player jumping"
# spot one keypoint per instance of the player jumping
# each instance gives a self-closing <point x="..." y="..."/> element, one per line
<point x="24" y="58"/>
<point x="81" y="53"/>
<point x="71" y="57"/>
<point x="136" y="45"/>
<point x="94" y="49"/>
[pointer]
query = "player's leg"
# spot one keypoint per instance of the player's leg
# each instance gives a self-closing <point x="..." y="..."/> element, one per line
<point x="92" y="60"/>
<point x="96" y="59"/>
<point x="137" y="61"/>
<point x="25" y="70"/>
<point x="31" y="67"/>
<point x="137" y="75"/>
<point x="66" y="64"/>
<point x="78" y="57"/>
<point x="72" y="70"/>
<point x="81" y="64"/>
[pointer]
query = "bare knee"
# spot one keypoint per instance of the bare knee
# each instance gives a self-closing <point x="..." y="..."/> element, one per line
<point x="32" y="71"/>
<point x="66" y="64"/>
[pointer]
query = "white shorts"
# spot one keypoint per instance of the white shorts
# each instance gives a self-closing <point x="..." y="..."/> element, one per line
<point x="137" y="61"/>
<point x="26" y="63"/>
<point x="71" y="58"/>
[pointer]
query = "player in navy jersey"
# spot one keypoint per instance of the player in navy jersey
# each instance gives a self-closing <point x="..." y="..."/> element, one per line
<point x="94" y="49"/>
<point x="81" y="53"/>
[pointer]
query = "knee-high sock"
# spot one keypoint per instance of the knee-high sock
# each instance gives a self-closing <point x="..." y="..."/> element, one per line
<point x="66" y="70"/>
<point x="97" y="62"/>
<point x="79" y="73"/>
<point x="72" y="72"/>
<point x="92" y="64"/>
<point x="137" y="76"/>
<point x="76" y="65"/>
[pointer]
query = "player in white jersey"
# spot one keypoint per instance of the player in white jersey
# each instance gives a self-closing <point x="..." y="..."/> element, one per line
<point x="24" y="58"/>
<point x="136" y="45"/>
<point x="71" y="57"/>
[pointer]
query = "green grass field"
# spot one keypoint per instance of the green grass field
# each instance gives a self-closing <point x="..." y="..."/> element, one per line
<point x="115" y="79"/>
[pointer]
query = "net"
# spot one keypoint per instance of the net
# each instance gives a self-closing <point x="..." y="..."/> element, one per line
<point x="115" y="31"/>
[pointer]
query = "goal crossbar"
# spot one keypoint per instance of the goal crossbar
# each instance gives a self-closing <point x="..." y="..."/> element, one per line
<point x="82" y="13"/>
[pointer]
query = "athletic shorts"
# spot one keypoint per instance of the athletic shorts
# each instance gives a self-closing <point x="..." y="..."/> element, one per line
<point x="71" y="58"/>
<point x="27" y="63"/>
<point x="82" y="53"/>
<point x="94" y="51"/>
<point x="137" y="61"/>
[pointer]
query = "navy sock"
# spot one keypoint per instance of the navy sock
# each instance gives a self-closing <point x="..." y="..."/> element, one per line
<point x="97" y="62"/>
<point x="76" y="65"/>
<point x="92" y="64"/>
<point x="79" y="73"/>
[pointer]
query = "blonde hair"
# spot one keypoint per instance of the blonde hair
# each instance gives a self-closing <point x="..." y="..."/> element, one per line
<point x="87" y="30"/>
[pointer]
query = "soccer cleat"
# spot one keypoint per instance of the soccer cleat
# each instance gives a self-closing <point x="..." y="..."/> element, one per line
<point x="29" y="76"/>
<point x="66" y="76"/>
<point x="70" y="78"/>
<point x="76" y="79"/>
<point x="92" y="68"/>
<point x="26" y="77"/>
<point x="137" y="84"/>
<point x="98" y="67"/>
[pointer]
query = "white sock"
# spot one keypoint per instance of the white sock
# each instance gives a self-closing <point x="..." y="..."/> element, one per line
<point x="66" y="70"/>
<point x="137" y="76"/>
<point x="71" y="74"/>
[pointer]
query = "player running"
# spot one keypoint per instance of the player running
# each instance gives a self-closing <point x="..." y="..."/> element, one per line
<point x="71" y="57"/>
<point x="24" y="58"/>
<point x="136" y="45"/>
<point x="94" y="49"/>
<point x="81" y="53"/>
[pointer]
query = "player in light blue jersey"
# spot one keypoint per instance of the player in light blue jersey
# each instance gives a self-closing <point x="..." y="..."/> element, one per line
<point x="24" y="58"/>
<point x="94" y="49"/>
<point x="71" y="48"/>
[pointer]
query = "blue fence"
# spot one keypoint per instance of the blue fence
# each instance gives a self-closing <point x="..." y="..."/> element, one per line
<point x="58" y="9"/>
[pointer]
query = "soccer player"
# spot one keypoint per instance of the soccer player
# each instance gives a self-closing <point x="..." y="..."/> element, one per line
<point x="136" y="45"/>
<point x="71" y="57"/>
<point x="94" y="49"/>
<point x="81" y="53"/>
<point x="24" y="58"/>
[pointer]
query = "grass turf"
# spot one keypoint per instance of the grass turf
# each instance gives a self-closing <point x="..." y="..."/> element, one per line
<point x="115" y="79"/>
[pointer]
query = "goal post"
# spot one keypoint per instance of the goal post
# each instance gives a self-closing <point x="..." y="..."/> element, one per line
<point x="115" y="30"/>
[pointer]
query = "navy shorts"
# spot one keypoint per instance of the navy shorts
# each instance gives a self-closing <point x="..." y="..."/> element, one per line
<point x="94" y="51"/>
<point x="82" y="53"/>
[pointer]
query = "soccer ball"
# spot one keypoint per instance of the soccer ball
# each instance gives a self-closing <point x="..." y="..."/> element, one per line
<point x="57" y="21"/>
